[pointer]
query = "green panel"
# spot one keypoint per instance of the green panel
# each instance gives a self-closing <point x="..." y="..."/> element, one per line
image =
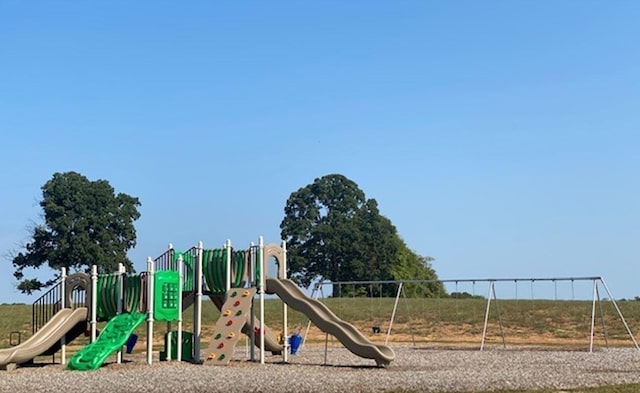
<point x="112" y="338"/>
<point x="166" y="294"/>
<point x="187" y="346"/>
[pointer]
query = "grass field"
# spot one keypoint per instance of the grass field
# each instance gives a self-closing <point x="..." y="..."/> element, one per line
<point x="455" y="322"/>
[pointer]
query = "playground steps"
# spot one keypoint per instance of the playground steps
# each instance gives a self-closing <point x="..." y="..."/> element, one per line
<point x="233" y="316"/>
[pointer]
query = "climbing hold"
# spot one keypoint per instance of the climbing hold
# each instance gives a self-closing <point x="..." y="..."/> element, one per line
<point x="234" y="294"/>
<point x="230" y="322"/>
<point x="231" y="335"/>
<point x="221" y="345"/>
<point x="226" y="313"/>
<point x="245" y="293"/>
<point x="236" y="304"/>
<point x="211" y="356"/>
<point x="239" y="313"/>
<point x="221" y="357"/>
<point x="218" y="336"/>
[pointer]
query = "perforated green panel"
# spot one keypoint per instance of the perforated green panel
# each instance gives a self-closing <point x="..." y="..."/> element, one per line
<point x="166" y="294"/>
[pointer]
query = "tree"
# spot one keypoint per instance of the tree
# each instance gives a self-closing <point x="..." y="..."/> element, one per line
<point x="85" y="223"/>
<point x="333" y="232"/>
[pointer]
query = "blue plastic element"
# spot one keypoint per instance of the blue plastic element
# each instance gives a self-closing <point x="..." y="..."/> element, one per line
<point x="131" y="342"/>
<point x="294" y="343"/>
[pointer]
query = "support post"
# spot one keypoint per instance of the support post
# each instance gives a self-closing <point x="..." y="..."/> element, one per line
<point x="227" y="281"/>
<point x="197" y="306"/>
<point x="252" y="282"/>
<point x="486" y="317"/>
<point x="150" y="301"/>
<point x="94" y="302"/>
<point x="121" y="272"/>
<point x="263" y="272"/>
<point x="179" y="338"/>
<point x="393" y="313"/>
<point x="624" y="322"/>
<point x="593" y="315"/>
<point x="63" y="305"/>
<point x="285" y="330"/>
<point x="326" y="348"/>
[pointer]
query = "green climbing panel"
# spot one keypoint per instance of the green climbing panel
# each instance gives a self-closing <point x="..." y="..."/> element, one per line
<point x="112" y="338"/>
<point x="166" y="295"/>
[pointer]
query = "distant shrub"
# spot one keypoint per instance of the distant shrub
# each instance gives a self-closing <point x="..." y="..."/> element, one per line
<point x="465" y="295"/>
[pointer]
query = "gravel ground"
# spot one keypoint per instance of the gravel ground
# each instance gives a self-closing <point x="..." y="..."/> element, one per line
<point x="421" y="370"/>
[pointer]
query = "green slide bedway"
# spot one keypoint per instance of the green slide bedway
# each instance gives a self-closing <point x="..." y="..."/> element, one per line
<point x="112" y="338"/>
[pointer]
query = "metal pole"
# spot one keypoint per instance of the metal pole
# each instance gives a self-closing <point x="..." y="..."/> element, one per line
<point x="486" y="317"/>
<point x="197" y="306"/>
<point x="179" y="338"/>
<point x="228" y="248"/>
<point x="121" y="272"/>
<point x="393" y="313"/>
<point x="150" y="301"/>
<point x="624" y="322"/>
<point x="94" y="301"/>
<point x="285" y="330"/>
<point x="593" y="315"/>
<point x="252" y="280"/>
<point x="263" y="272"/>
<point x="63" y="305"/>
<point x="326" y="344"/>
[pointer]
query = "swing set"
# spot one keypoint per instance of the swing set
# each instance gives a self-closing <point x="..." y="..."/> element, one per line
<point x="491" y="304"/>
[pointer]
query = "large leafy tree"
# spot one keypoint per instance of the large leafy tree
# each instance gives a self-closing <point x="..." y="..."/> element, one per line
<point x="334" y="232"/>
<point x="85" y="223"/>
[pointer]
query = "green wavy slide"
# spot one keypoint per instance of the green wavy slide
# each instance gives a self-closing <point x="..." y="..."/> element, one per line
<point x="112" y="338"/>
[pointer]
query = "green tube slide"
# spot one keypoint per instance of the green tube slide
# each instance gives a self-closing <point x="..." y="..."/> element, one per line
<point x="215" y="269"/>
<point x="112" y="338"/>
<point x="107" y="296"/>
<point x="132" y="293"/>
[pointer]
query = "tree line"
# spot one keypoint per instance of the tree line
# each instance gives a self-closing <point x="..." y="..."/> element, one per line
<point x="333" y="232"/>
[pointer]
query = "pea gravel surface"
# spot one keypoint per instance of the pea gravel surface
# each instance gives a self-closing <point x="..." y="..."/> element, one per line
<point x="419" y="370"/>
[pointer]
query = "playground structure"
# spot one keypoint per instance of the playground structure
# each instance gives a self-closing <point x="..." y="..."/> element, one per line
<point x="172" y="283"/>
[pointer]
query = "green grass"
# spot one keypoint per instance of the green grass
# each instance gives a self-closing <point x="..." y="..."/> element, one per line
<point x="523" y="322"/>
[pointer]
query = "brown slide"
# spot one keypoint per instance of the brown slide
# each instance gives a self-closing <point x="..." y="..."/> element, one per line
<point x="48" y="336"/>
<point x="328" y="322"/>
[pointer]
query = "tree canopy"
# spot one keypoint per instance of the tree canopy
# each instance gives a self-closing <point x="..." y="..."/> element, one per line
<point x="334" y="232"/>
<point x="85" y="223"/>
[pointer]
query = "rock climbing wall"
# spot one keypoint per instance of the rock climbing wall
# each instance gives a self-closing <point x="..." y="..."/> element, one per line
<point x="233" y="316"/>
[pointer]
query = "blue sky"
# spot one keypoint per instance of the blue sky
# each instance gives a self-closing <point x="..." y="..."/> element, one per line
<point x="499" y="137"/>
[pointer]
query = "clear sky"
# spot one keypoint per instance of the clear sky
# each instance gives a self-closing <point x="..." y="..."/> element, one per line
<point x="501" y="138"/>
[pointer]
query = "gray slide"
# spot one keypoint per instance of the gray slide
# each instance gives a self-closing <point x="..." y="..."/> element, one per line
<point x="328" y="322"/>
<point x="48" y="336"/>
